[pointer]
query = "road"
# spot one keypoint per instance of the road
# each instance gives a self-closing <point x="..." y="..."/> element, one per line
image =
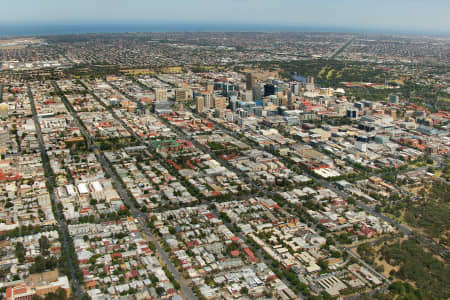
<point x="369" y="267"/>
<point x="113" y="113"/>
<point x="62" y="225"/>
<point x="187" y="292"/>
<point x="341" y="49"/>
<point x="366" y="207"/>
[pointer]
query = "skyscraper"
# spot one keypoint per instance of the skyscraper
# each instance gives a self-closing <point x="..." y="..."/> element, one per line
<point x="220" y="103"/>
<point x="258" y="91"/>
<point x="183" y="95"/>
<point x="200" y="104"/>
<point x="250" y="81"/>
<point x="209" y="101"/>
<point x="294" y="87"/>
<point x="309" y="83"/>
<point x="290" y="100"/>
<point x="161" y="94"/>
<point x="269" y="89"/>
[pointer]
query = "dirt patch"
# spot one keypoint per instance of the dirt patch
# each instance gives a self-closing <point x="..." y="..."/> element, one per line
<point x="262" y="75"/>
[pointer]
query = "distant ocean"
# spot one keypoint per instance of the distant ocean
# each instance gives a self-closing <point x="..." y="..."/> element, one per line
<point x="8" y="30"/>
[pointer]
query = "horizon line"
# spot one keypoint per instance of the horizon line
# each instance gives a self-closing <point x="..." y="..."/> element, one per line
<point x="69" y="28"/>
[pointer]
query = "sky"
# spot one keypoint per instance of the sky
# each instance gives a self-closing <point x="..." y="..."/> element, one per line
<point x="415" y="15"/>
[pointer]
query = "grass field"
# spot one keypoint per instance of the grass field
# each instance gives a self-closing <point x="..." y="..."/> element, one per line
<point x="444" y="99"/>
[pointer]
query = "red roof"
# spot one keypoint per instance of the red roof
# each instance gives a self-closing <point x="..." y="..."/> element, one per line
<point x="235" y="239"/>
<point x="90" y="284"/>
<point x="118" y="255"/>
<point x="250" y="255"/>
<point x="209" y="216"/>
<point x="8" y="292"/>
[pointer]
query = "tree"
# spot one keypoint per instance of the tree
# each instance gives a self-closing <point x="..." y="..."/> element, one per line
<point x="160" y="290"/>
<point x="44" y="245"/>
<point x="86" y="297"/>
<point x="244" y="290"/>
<point x="20" y="252"/>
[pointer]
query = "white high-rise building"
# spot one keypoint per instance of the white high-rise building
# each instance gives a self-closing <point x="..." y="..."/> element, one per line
<point x="161" y="95"/>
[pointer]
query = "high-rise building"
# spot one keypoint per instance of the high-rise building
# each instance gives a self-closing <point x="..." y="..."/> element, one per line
<point x="250" y="81"/>
<point x="220" y="103"/>
<point x="290" y="100"/>
<point x="294" y="86"/>
<point x="161" y="94"/>
<point x="247" y="96"/>
<point x="234" y="104"/>
<point x="283" y="101"/>
<point x="3" y="110"/>
<point x="309" y="83"/>
<point x="183" y="95"/>
<point x="258" y="91"/>
<point x="200" y="104"/>
<point x="269" y="89"/>
<point x="227" y="89"/>
<point x="209" y="101"/>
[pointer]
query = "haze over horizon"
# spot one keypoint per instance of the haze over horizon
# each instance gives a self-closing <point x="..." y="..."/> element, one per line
<point x="383" y="15"/>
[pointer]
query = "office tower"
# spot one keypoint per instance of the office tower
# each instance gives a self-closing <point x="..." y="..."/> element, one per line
<point x="283" y="100"/>
<point x="294" y="87"/>
<point x="161" y="94"/>
<point x="234" y="104"/>
<point x="182" y="95"/>
<point x="258" y="92"/>
<point x="290" y="100"/>
<point x="269" y="89"/>
<point x="200" y="104"/>
<point x="250" y="81"/>
<point x="310" y="83"/>
<point x="247" y="96"/>
<point x="220" y="103"/>
<point x="209" y="101"/>
<point x="227" y="89"/>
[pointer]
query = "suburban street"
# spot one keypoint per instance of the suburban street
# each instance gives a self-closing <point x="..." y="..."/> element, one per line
<point x="136" y="213"/>
<point x="62" y="225"/>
